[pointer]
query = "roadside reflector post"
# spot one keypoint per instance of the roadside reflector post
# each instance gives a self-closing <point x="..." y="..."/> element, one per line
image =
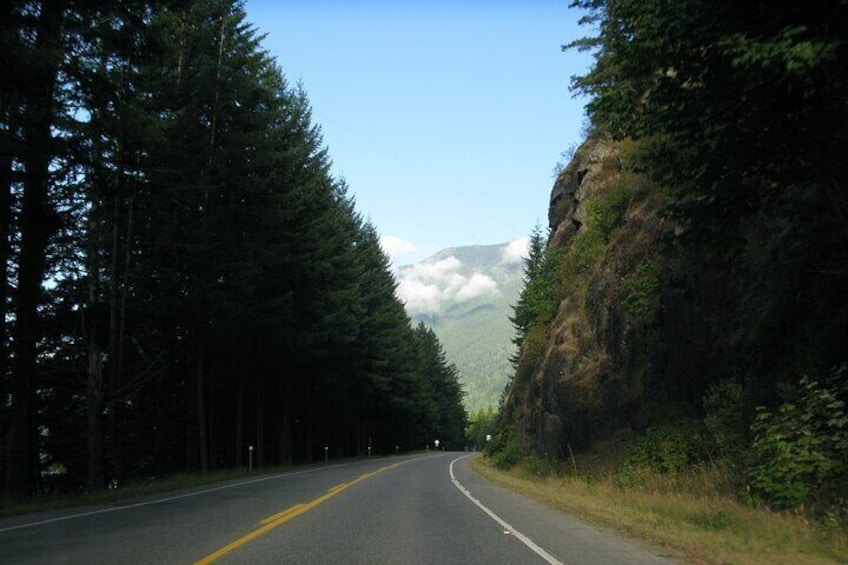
<point x="326" y="453"/>
<point x="250" y="459"/>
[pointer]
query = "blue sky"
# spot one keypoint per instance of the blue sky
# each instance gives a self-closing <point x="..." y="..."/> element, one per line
<point x="445" y="118"/>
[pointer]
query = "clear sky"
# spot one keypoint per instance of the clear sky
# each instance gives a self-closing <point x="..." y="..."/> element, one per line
<point x="446" y="118"/>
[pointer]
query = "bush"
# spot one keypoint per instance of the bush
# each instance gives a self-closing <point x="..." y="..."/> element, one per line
<point x="668" y="449"/>
<point x="799" y="451"/>
<point x="607" y="212"/>
<point x="544" y="466"/>
<point x="505" y="450"/>
<point x="726" y="423"/>
<point x="642" y="289"/>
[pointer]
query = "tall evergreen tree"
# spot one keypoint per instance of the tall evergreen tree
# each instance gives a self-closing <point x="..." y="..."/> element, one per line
<point x="212" y="286"/>
<point x="41" y="55"/>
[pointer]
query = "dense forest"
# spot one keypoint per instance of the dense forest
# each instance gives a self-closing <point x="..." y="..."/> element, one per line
<point x="182" y="276"/>
<point x="692" y="289"/>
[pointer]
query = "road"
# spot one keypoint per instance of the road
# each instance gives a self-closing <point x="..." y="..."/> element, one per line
<point x="416" y="509"/>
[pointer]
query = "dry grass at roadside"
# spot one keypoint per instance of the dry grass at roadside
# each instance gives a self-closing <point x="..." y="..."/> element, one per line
<point x="688" y="514"/>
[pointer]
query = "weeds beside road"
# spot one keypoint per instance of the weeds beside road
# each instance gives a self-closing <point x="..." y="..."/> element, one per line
<point x="691" y="514"/>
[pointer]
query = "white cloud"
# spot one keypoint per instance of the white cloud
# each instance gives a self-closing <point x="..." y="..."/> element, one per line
<point x="478" y="285"/>
<point x="396" y="247"/>
<point x="517" y="250"/>
<point x="425" y="287"/>
<point x="437" y="270"/>
<point x="419" y="296"/>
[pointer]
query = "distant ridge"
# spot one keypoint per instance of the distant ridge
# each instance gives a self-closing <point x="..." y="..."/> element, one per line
<point x="465" y="294"/>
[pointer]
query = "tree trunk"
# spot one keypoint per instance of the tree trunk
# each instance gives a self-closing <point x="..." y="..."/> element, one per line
<point x="38" y="221"/>
<point x="285" y="428"/>
<point x="96" y="478"/>
<point x="5" y="255"/>
<point x="260" y="424"/>
<point x="113" y="377"/>
<point x="240" y="425"/>
<point x="161" y="447"/>
<point x="202" y="442"/>
<point x="94" y="421"/>
<point x="308" y="423"/>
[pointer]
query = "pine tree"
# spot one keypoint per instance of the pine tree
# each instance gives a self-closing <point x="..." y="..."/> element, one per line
<point x="41" y="54"/>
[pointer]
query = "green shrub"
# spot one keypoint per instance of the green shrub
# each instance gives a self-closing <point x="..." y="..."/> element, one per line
<point x="605" y="213"/>
<point x="668" y="449"/>
<point x="533" y="346"/>
<point x="725" y="420"/>
<point x="799" y="451"/>
<point x="505" y="450"/>
<point x="544" y="466"/>
<point x="586" y="249"/>
<point x="642" y="289"/>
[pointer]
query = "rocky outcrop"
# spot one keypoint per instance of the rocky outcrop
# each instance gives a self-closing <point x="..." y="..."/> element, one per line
<point x="650" y="315"/>
<point x="591" y="376"/>
<point x="594" y="166"/>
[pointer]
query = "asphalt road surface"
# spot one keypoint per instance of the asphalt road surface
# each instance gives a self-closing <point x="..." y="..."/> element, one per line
<point x="416" y="509"/>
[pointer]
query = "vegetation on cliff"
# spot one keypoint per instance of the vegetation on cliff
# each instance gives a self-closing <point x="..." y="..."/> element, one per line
<point x="693" y="284"/>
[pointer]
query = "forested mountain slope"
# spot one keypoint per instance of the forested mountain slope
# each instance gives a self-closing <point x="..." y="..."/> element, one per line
<point x="471" y="292"/>
<point x="182" y="277"/>
<point x="697" y="264"/>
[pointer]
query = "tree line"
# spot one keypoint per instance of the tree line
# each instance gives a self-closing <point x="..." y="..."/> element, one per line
<point x="182" y="275"/>
<point x="728" y="119"/>
<point x="737" y="112"/>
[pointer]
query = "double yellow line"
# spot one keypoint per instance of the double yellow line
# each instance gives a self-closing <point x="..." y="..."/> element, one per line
<point x="271" y="522"/>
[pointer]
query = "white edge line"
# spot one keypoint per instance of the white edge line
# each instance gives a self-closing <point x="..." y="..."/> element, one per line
<point x="166" y="499"/>
<point x="524" y="539"/>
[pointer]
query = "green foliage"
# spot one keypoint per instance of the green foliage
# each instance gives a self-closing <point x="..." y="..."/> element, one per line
<point x="725" y="419"/>
<point x="538" y="299"/>
<point x="674" y="73"/>
<point x="544" y="466"/>
<point x="584" y="251"/>
<point x="442" y="388"/>
<point x="536" y="307"/>
<point x="213" y="284"/>
<point x="669" y="449"/>
<point x="505" y="450"/>
<point x="799" y="451"/>
<point x="483" y="359"/>
<point x="606" y="212"/>
<point x="642" y="289"/>
<point x="482" y="424"/>
<point x="713" y="521"/>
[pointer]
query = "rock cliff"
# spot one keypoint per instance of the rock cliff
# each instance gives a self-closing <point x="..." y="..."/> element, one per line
<point x="648" y="317"/>
<point x="604" y="346"/>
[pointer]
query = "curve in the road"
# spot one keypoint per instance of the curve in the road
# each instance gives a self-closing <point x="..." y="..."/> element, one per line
<point x="504" y="524"/>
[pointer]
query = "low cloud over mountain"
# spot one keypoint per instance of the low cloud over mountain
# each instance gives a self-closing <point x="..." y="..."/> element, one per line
<point x="466" y="295"/>
<point x="516" y="251"/>
<point x="427" y="286"/>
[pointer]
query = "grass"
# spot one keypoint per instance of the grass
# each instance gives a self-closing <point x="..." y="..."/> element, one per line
<point x="688" y="514"/>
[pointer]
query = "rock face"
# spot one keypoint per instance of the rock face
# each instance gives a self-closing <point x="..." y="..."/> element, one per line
<point x="587" y="174"/>
<point x="649" y="313"/>
<point x="592" y="373"/>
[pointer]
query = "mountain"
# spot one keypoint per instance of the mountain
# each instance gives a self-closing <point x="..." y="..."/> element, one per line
<point x="465" y="294"/>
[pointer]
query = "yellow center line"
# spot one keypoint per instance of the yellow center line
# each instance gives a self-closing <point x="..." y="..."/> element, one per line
<point x="290" y="513"/>
<point x="282" y="514"/>
<point x="338" y="487"/>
